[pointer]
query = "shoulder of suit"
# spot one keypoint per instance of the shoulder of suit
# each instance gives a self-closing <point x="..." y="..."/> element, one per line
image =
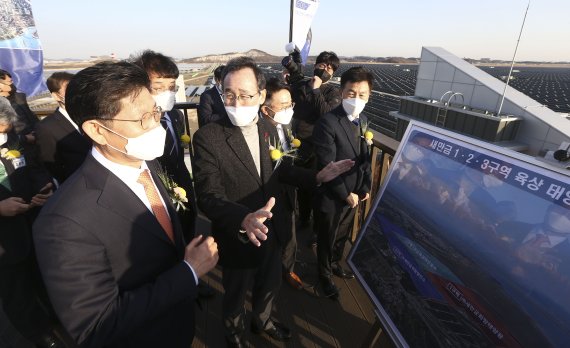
<point x="53" y="118"/>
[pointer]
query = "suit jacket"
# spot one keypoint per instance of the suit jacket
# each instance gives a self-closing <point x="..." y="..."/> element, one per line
<point x="335" y="139"/>
<point x="25" y="182"/>
<point x="211" y="108"/>
<point x="62" y="148"/>
<point x="113" y="276"/>
<point x="228" y="188"/>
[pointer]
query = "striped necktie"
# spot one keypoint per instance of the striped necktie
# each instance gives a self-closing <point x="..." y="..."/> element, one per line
<point x="156" y="204"/>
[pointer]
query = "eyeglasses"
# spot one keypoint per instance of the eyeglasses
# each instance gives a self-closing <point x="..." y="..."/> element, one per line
<point x="164" y="89"/>
<point x="290" y="106"/>
<point x="145" y="120"/>
<point x="244" y="98"/>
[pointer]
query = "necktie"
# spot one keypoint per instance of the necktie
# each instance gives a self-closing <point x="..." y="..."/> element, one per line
<point x="167" y="125"/>
<point x="156" y="204"/>
<point x="356" y="121"/>
<point x="4" y="180"/>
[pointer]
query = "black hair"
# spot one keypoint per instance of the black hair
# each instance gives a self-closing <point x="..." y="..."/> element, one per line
<point x="357" y="74"/>
<point x="243" y="63"/>
<point x="96" y="91"/>
<point x="56" y="79"/>
<point x="273" y="86"/>
<point x="157" y="63"/>
<point x="4" y="73"/>
<point x="328" y="57"/>
<point x="218" y="72"/>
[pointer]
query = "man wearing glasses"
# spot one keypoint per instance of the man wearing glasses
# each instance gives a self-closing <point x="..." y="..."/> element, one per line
<point x="109" y="243"/>
<point x="238" y="189"/>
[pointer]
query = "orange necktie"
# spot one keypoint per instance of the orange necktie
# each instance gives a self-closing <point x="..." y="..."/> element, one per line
<point x="156" y="204"/>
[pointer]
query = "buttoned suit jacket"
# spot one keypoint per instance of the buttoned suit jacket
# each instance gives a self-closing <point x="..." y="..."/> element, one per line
<point x="335" y="139"/>
<point x="113" y="276"/>
<point x="228" y="188"/>
<point x="62" y="148"/>
<point x="211" y="108"/>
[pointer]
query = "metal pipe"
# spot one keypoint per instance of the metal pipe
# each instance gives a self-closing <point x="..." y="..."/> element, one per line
<point x="513" y="62"/>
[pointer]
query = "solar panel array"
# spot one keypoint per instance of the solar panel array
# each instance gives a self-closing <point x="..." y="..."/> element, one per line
<point x="548" y="86"/>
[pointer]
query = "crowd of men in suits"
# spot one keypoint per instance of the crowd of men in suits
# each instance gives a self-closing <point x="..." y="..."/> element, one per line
<point x="120" y="263"/>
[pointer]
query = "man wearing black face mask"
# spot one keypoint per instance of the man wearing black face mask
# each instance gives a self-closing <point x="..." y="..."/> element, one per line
<point x="313" y="99"/>
<point x="26" y="122"/>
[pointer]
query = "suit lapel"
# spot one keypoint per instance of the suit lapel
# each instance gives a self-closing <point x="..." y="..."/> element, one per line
<point x="120" y="199"/>
<point x="236" y="142"/>
<point x="64" y="123"/>
<point x="266" y="163"/>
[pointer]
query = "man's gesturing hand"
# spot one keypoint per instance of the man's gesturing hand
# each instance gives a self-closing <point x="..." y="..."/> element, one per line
<point x="253" y="223"/>
<point x="201" y="254"/>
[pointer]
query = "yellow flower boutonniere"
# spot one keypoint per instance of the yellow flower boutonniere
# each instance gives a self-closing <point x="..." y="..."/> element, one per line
<point x="176" y="193"/>
<point x="185" y="139"/>
<point x="10" y="154"/>
<point x="366" y="134"/>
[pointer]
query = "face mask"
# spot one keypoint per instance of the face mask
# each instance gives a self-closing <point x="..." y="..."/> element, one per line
<point x="165" y="100"/>
<point x="3" y="138"/>
<point x="322" y="74"/>
<point x="146" y="146"/>
<point x="558" y="223"/>
<point x="353" y="106"/>
<point x="242" y="115"/>
<point x="283" y="116"/>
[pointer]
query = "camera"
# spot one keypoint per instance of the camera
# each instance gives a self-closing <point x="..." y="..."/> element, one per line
<point x="292" y="63"/>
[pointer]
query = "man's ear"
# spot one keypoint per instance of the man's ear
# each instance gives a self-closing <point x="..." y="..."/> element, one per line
<point x="264" y="110"/>
<point x="94" y="131"/>
<point x="262" y="95"/>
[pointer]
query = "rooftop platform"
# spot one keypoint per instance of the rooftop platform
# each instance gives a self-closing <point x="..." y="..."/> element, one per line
<point x="315" y="321"/>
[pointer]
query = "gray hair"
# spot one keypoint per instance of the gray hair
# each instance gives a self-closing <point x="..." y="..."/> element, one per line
<point x="7" y="113"/>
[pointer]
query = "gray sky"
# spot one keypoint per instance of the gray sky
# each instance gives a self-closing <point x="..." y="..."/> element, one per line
<point x="185" y="28"/>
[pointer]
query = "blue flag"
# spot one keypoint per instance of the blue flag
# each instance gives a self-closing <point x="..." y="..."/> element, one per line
<point x="20" y="48"/>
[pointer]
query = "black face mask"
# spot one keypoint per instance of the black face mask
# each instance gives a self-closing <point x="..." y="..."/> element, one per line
<point x="322" y="74"/>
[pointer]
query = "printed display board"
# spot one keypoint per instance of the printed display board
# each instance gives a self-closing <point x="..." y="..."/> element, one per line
<point x="468" y="246"/>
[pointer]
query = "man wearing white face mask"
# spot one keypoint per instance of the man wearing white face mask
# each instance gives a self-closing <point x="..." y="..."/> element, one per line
<point x="163" y="72"/>
<point x="240" y="189"/>
<point x="109" y="242"/>
<point x="278" y="109"/>
<point x="340" y="135"/>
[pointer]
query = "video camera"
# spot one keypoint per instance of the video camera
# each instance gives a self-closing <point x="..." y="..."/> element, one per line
<point x="292" y="63"/>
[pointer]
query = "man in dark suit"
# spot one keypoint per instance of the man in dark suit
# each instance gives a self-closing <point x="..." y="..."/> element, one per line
<point x="238" y="186"/>
<point x="163" y="72"/>
<point x="340" y="135"/>
<point x="278" y="110"/>
<point x="211" y="108"/>
<point x="62" y="146"/>
<point x="109" y="243"/>
<point x="24" y="188"/>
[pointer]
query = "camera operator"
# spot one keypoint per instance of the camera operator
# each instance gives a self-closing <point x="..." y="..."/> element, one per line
<point x="313" y="98"/>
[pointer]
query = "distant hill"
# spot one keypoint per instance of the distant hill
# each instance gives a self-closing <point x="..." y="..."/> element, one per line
<point x="258" y="55"/>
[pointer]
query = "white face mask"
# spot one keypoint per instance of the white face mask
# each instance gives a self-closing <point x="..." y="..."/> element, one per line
<point x="283" y="116"/>
<point x="3" y="138"/>
<point x="558" y="223"/>
<point x="241" y="116"/>
<point x="353" y="106"/>
<point x="165" y="100"/>
<point x="146" y="146"/>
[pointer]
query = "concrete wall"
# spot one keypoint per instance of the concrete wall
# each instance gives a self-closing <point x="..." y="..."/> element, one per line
<point x="441" y="71"/>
